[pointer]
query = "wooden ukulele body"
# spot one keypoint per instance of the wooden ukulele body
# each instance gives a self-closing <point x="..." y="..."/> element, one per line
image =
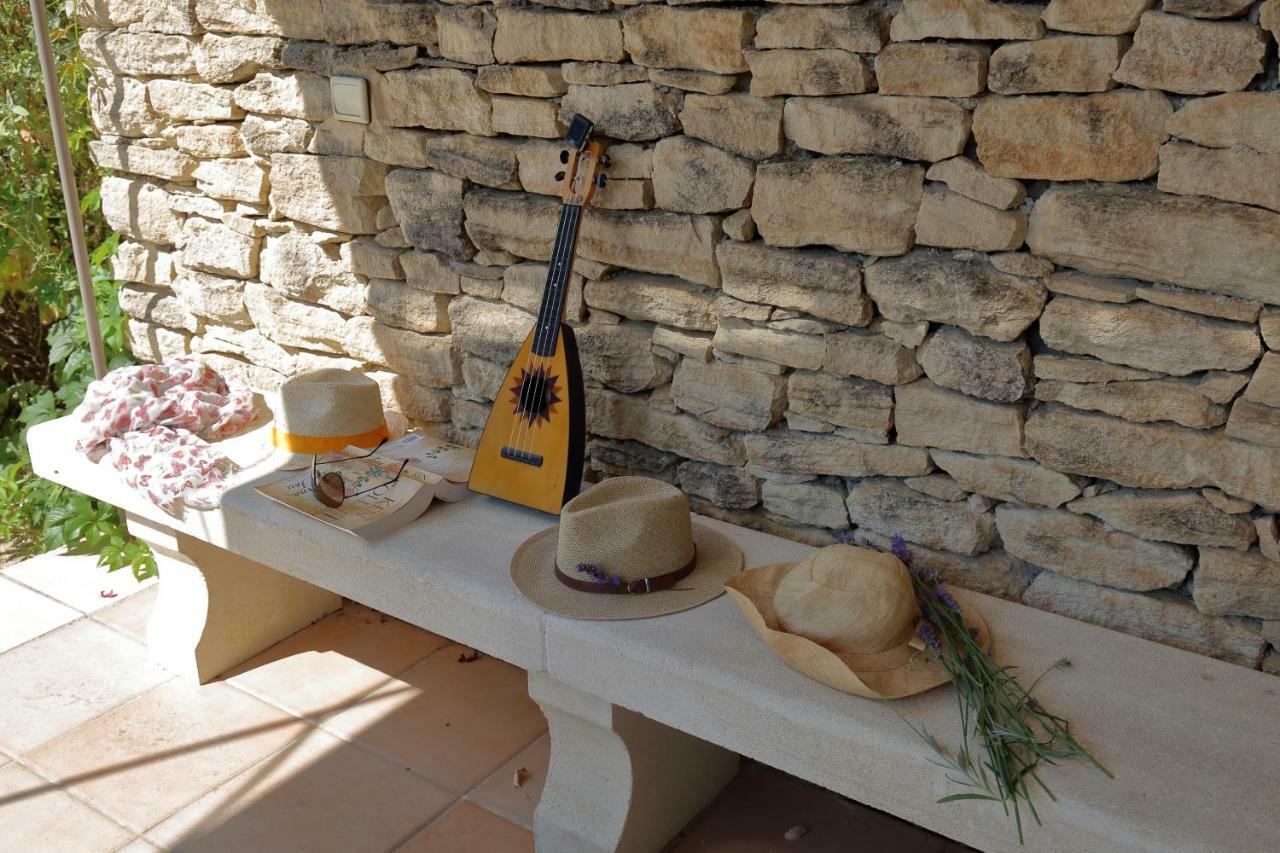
<point x="534" y="442"/>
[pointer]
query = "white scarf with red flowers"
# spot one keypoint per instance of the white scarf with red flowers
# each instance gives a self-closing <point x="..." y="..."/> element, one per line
<point x="154" y="422"/>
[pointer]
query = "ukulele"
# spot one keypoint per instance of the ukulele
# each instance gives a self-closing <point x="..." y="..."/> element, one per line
<point x="532" y="449"/>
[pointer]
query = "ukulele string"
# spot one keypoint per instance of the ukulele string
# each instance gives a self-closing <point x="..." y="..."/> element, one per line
<point x="523" y="397"/>
<point x="537" y="384"/>
<point x="558" y="281"/>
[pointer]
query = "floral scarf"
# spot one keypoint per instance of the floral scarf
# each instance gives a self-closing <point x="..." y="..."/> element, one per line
<point x="154" y="422"/>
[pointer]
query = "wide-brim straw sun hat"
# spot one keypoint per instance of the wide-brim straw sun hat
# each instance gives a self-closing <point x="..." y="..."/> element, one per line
<point x="626" y="548"/>
<point x="882" y="655"/>
<point x="327" y="411"/>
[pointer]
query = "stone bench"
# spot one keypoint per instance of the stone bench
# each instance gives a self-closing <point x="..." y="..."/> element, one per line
<point x="648" y="717"/>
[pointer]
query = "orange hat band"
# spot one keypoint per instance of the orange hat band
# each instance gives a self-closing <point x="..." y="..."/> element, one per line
<point x="325" y="443"/>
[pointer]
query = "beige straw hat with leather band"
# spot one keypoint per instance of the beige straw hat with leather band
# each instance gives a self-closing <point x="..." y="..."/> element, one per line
<point x="902" y="670"/>
<point x="630" y="531"/>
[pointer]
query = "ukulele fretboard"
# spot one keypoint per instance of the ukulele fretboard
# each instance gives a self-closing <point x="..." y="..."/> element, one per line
<point x="559" y="270"/>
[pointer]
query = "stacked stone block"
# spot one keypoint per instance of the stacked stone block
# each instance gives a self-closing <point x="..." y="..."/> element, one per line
<point x="1001" y="278"/>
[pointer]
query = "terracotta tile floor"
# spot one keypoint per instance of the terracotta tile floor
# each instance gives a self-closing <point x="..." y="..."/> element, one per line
<point x="360" y="733"/>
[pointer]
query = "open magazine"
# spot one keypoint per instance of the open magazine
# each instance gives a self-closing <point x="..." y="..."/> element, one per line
<point x="451" y="461"/>
<point x="429" y="468"/>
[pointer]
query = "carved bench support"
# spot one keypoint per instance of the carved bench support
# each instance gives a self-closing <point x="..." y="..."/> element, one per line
<point x="216" y="609"/>
<point x="619" y="781"/>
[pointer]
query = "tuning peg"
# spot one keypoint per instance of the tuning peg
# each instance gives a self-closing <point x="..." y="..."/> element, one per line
<point x="559" y="176"/>
<point x="601" y="180"/>
<point x="605" y="161"/>
<point x="564" y="155"/>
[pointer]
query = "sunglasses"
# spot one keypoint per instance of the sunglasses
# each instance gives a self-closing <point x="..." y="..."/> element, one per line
<point x="331" y="490"/>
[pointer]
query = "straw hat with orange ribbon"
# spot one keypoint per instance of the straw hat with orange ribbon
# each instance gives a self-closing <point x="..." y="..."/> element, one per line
<point x="328" y="410"/>
<point x="846" y="616"/>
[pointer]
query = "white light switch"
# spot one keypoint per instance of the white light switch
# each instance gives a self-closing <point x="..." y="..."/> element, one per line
<point x="350" y="97"/>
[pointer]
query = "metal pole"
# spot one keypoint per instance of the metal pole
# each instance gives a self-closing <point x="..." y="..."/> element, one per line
<point x="67" y="175"/>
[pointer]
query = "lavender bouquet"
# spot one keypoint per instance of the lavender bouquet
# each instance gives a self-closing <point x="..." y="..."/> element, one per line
<point x="998" y="716"/>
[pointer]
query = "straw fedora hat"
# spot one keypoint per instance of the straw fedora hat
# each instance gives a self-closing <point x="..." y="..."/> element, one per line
<point x="625" y="549"/>
<point x="847" y="616"/>
<point x="326" y="411"/>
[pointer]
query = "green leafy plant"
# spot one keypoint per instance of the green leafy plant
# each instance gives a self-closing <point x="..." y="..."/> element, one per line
<point x="44" y="353"/>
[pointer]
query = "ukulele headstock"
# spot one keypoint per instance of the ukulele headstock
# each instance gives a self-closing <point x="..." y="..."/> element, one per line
<point x="584" y="164"/>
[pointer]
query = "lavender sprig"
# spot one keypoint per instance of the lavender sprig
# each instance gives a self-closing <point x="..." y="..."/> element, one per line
<point x="930" y="636"/>
<point x="597" y="574"/>
<point x="1013" y="729"/>
<point x="947" y="599"/>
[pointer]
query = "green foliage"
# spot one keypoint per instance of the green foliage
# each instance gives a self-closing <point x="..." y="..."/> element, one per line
<point x="44" y="352"/>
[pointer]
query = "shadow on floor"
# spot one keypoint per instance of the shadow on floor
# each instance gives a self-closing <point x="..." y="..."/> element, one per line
<point x="756" y="810"/>
<point x="359" y="733"/>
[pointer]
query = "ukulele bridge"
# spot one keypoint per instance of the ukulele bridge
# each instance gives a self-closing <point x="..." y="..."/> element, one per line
<point x="522" y="456"/>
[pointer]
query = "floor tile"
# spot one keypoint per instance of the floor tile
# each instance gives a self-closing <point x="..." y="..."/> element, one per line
<point x="316" y="796"/>
<point x="25" y="615"/>
<point x="130" y="616"/>
<point x="63" y="679"/>
<point x="335" y="661"/>
<point x="139" y="845"/>
<point x="146" y="759"/>
<point x="761" y="804"/>
<point x="454" y="722"/>
<point x="76" y="580"/>
<point x="467" y="828"/>
<point x="517" y="803"/>
<point x="36" y="816"/>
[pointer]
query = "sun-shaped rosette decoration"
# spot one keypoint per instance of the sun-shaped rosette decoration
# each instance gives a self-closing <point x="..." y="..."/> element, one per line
<point x="535" y="394"/>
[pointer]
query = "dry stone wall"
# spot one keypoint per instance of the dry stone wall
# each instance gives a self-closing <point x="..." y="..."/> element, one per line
<point x="1002" y="278"/>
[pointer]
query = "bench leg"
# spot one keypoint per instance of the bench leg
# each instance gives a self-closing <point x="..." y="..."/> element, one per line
<point x="619" y="782"/>
<point x="216" y="609"/>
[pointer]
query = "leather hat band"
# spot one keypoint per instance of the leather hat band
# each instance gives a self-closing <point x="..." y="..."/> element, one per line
<point x="639" y="586"/>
